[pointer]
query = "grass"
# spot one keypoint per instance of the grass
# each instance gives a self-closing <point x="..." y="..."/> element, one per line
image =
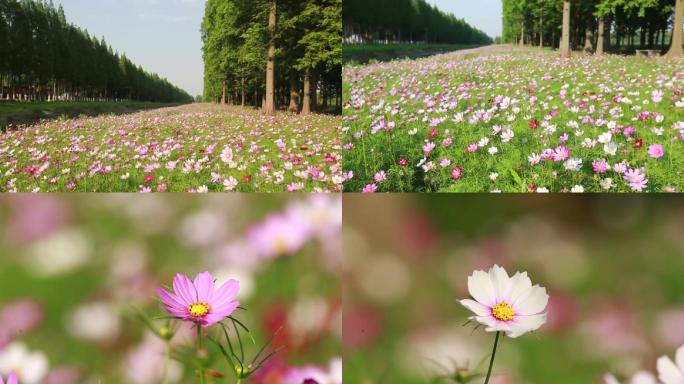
<point x="60" y="107"/>
<point x="454" y="101"/>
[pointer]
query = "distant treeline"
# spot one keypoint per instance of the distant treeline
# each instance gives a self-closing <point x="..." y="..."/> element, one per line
<point x="405" y="21"/>
<point x="43" y="57"/>
<point x="274" y="54"/>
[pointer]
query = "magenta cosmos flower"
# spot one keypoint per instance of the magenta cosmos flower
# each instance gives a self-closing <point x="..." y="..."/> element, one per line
<point x="197" y="301"/>
<point x="11" y="379"/>
<point x="656" y="151"/>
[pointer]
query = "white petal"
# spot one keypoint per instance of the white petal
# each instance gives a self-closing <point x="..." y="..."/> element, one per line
<point x="610" y="379"/>
<point x="679" y="358"/>
<point x="492" y="324"/>
<point x="520" y="284"/>
<point x="668" y="371"/>
<point x="476" y="307"/>
<point x="500" y="281"/>
<point x="532" y="302"/>
<point x="481" y="289"/>
<point x="523" y="324"/>
<point x="643" y="377"/>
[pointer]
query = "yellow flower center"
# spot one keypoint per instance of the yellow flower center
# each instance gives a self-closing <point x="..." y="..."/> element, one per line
<point x="503" y="312"/>
<point x="199" y="309"/>
<point x="281" y="245"/>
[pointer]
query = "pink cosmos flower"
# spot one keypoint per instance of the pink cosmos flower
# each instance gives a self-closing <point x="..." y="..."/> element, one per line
<point x="370" y="188"/>
<point x="428" y="147"/>
<point x="456" y="173"/>
<point x="279" y="235"/>
<point x="472" y="148"/>
<point x="11" y="379"/>
<point x="600" y="166"/>
<point x="636" y="179"/>
<point x="656" y="151"/>
<point x="561" y="153"/>
<point x="657" y="96"/>
<point x="380" y="177"/>
<point x="197" y="301"/>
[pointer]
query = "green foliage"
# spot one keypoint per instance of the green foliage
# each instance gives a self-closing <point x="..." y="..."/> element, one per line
<point x="43" y="57"/>
<point x="236" y="37"/>
<point x="408" y="21"/>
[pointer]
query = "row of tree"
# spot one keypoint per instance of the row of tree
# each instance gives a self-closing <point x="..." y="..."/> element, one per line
<point x="595" y="25"/>
<point x="43" y="57"/>
<point x="274" y="54"/>
<point x="406" y="21"/>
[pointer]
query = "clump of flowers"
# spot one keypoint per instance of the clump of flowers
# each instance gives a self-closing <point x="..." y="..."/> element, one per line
<point x="505" y="304"/>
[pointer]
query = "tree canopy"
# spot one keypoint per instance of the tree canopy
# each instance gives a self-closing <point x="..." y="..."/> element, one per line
<point x="44" y="57"/>
<point x="307" y="60"/>
<point x="406" y="21"/>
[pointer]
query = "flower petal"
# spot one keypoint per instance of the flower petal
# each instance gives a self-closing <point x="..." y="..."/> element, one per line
<point x="523" y="324"/>
<point x="532" y="302"/>
<point x="500" y="281"/>
<point x="679" y="359"/>
<point x="169" y="299"/>
<point x="481" y="289"/>
<point x="226" y="292"/>
<point x="477" y="308"/>
<point x="668" y="371"/>
<point x="520" y="283"/>
<point x="204" y="284"/>
<point x="12" y="378"/>
<point x="185" y="289"/>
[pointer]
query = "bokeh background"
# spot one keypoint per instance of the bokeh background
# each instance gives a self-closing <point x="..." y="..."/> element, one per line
<point x="613" y="267"/>
<point x="74" y="269"/>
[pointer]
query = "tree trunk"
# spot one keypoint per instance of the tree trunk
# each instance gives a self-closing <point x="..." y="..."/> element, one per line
<point x="522" y="35"/>
<point x="223" y="93"/>
<point x="306" y="104"/>
<point x="588" y="36"/>
<point x="242" y="89"/>
<point x="541" y="30"/>
<point x="676" y="47"/>
<point x="269" y="104"/>
<point x="294" y="94"/>
<point x="565" y="39"/>
<point x="601" y="36"/>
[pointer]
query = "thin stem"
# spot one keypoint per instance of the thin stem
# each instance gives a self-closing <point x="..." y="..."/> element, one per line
<point x="199" y="348"/>
<point x="167" y="362"/>
<point x="239" y="381"/>
<point x="491" y="361"/>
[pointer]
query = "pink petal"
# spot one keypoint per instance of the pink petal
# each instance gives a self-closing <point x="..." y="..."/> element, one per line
<point x="204" y="284"/>
<point x="226" y="292"/>
<point x="185" y="289"/>
<point x="170" y="299"/>
<point x="12" y="378"/>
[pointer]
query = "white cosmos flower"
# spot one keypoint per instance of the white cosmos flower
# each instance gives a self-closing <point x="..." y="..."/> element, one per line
<point x="507" y="304"/>
<point x="672" y="372"/>
<point x="605" y="138"/>
<point x="507" y="135"/>
<point x="641" y="377"/>
<point x="493" y="150"/>
<point x="577" y="189"/>
<point x="610" y="148"/>
<point x="30" y="367"/>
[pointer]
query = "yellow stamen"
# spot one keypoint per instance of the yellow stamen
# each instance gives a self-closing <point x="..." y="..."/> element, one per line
<point x="199" y="309"/>
<point x="503" y="312"/>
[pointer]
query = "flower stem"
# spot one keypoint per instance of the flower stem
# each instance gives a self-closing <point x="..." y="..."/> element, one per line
<point x="199" y="348"/>
<point x="167" y="362"/>
<point x="491" y="360"/>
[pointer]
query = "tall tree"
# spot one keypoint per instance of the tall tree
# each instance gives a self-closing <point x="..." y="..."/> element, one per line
<point x="269" y="104"/>
<point x="565" y="38"/>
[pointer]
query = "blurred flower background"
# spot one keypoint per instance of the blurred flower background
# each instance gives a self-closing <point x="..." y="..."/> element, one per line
<point x="74" y="270"/>
<point x="612" y="265"/>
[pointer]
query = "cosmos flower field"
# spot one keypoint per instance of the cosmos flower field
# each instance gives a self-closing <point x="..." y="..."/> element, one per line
<point x="82" y="276"/>
<point x="194" y="148"/>
<point x="513" y="120"/>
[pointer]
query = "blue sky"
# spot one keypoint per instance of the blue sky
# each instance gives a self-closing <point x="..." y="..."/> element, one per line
<point x="482" y="14"/>
<point x="160" y="35"/>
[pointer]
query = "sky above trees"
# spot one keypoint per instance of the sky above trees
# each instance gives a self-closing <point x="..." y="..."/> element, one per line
<point x="163" y="36"/>
<point x="481" y="14"/>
